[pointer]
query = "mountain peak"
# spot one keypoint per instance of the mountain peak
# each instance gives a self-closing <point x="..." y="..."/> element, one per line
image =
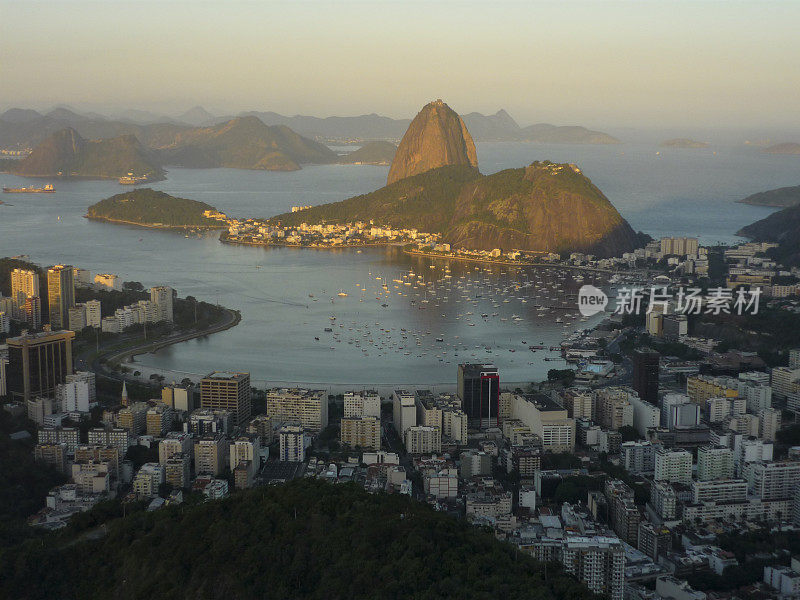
<point x="437" y="137"/>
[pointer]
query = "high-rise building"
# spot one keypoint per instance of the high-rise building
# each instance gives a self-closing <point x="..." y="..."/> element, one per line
<point x="307" y="408"/>
<point x="363" y="432"/>
<point x="148" y="479"/>
<point x="292" y="443"/>
<point x="404" y="411"/>
<point x="479" y="390"/>
<point x="174" y="443"/>
<point x="228" y="391"/>
<point x="597" y="562"/>
<point x="362" y="404"/>
<point x="94" y="316"/>
<point x="785" y="381"/>
<point x="638" y="457"/>
<point x="775" y="480"/>
<point x="133" y="417"/>
<point x="645" y="415"/>
<point x="613" y="408"/>
<point x="162" y="296"/>
<point x="37" y="363"/>
<point x="654" y="540"/>
<point x="210" y="455"/>
<point x="769" y="422"/>
<point x="547" y="419"/>
<point x="674" y="466"/>
<point x="645" y="375"/>
<point x="714" y="462"/>
<point x="26" y="302"/>
<point x="677" y="410"/>
<point x="421" y="439"/>
<point x="60" y="295"/>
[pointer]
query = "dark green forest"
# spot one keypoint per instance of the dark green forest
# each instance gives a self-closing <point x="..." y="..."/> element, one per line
<point x="305" y="539"/>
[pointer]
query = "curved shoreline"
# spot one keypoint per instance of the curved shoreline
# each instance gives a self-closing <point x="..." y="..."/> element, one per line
<point x="153" y="225"/>
<point x="505" y="263"/>
<point x="115" y="359"/>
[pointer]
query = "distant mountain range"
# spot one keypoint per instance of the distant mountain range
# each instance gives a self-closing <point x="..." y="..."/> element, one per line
<point x="241" y="143"/>
<point x="26" y="128"/>
<point x="781" y="197"/>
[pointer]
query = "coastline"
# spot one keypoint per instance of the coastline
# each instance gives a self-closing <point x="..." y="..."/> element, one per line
<point x="153" y="225"/>
<point x="507" y="263"/>
<point x="108" y="361"/>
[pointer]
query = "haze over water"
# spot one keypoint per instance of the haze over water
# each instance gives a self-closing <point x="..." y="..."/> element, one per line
<point x="676" y="192"/>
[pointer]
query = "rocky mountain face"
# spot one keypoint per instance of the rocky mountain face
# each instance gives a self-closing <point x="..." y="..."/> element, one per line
<point x="437" y="137"/>
<point x="66" y="153"/>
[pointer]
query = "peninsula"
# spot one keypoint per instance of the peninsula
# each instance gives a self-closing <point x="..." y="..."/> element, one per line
<point x="434" y="186"/>
<point x="780" y="197"/>
<point x="683" y="143"/>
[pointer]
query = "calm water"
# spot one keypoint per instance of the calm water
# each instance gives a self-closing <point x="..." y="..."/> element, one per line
<point x="679" y="192"/>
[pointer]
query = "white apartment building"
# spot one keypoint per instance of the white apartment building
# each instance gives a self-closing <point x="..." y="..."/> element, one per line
<point x="307" y="408"/>
<point x="638" y="457"/>
<point x="599" y="562"/>
<point x="421" y="439"/>
<point x="645" y="415"/>
<point x="719" y="491"/>
<point x="404" y="411"/>
<point x="362" y="404"/>
<point x="775" y="480"/>
<point x="292" y="443"/>
<point x="148" y="479"/>
<point x="674" y="466"/>
<point x="714" y="462"/>
<point x="785" y="381"/>
<point x="161" y="296"/>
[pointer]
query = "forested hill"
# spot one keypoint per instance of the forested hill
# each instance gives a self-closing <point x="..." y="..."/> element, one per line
<point x="151" y="208"/>
<point x="305" y="539"/>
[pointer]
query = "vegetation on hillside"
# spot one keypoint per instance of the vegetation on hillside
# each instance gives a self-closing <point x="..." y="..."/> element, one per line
<point x="371" y="153"/>
<point x="425" y="201"/>
<point x="150" y="207"/>
<point x="783" y="228"/>
<point x="780" y="197"/>
<point x="305" y="539"/>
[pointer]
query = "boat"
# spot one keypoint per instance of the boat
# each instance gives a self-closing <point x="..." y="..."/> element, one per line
<point x="48" y="189"/>
<point x="342" y="294"/>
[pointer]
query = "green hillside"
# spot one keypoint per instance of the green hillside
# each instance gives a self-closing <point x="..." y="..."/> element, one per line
<point x="543" y="207"/>
<point x="305" y="539"/>
<point x="144" y="206"/>
<point x="425" y="201"/>
<point x="780" y="197"/>
<point x="783" y="228"/>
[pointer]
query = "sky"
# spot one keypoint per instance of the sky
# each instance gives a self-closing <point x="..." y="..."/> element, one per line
<point x="639" y="63"/>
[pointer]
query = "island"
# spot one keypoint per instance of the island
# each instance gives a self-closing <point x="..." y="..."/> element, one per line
<point x="146" y="207"/>
<point x="683" y="143"/>
<point x="378" y="153"/>
<point x="67" y="154"/>
<point x="779" y="198"/>
<point x="785" y="148"/>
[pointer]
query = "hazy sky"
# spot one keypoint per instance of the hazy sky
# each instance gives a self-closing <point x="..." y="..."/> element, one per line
<point x="595" y="63"/>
